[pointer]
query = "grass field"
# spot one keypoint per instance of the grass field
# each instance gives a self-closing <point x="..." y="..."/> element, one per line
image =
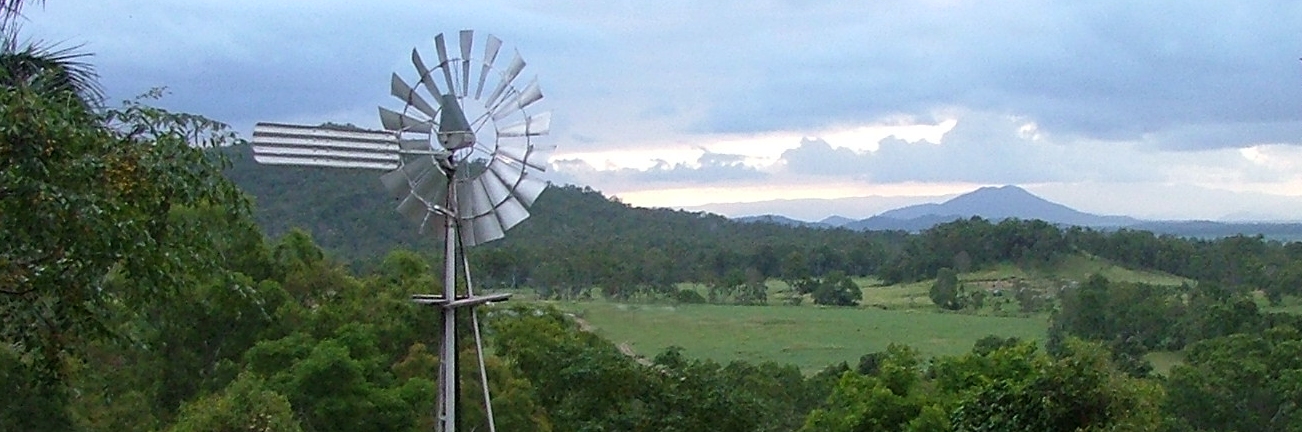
<point x="806" y="336"/>
<point x="1074" y="268"/>
<point x="813" y="337"/>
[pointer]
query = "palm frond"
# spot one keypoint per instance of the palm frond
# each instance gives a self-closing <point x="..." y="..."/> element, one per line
<point x="48" y="68"/>
<point x="12" y="9"/>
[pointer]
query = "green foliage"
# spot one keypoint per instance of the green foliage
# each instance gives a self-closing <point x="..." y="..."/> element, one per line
<point x="1006" y="385"/>
<point x="31" y="402"/>
<point x="585" y="383"/>
<point x="1247" y="381"/>
<point x="835" y="289"/>
<point x="45" y="68"/>
<point x="975" y="243"/>
<point x="246" y="405"/>
<point x="888" y="399"/>
<point x="1003" y="385"/>
<point x="86" y="195"/>
<point x="1134" y="318"/>
<point x="688" y="296"/>
<point x="945" y="291"/>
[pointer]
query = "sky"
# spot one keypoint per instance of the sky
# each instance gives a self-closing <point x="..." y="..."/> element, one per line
<point x="1156" y="109"/>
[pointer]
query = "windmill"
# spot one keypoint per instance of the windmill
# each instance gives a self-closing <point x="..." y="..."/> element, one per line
<point x="459" y="158"/>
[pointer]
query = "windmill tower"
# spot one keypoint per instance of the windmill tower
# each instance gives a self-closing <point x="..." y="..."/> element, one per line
<point x="459" y="158"/>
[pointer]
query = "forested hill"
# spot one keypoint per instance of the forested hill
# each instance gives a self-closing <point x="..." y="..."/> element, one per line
<point x="349" y="213"/>
<point x="578" y="239"/>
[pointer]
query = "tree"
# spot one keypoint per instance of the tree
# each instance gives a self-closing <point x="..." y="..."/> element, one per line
<point x="837" y="289"/>
<point x="1015" y="388"/>
<point x="1247" y="381"/>
<point x="46" y="69"/>
<point x="86" y="198"/>
<point x="247" y="404"/>
<point x="945" y="292"/>
<point x="887" y="400"/>
<point x="31" y="402"/>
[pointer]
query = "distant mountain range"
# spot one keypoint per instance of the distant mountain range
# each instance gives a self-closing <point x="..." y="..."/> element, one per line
<point x="999" y="203"/>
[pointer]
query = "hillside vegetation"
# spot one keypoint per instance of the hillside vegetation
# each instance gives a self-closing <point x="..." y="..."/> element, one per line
<point x="579" y="240"/>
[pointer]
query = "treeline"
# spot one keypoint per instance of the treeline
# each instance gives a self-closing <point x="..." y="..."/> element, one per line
<point x="1241" y="364"/>
<point x="277" y="336"/>
<point x="572" y="249"/>
<point x="578" y="242"/>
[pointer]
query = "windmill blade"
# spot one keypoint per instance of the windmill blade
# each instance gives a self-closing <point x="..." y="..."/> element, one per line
<point x="431" y="188"/>
<point x="481" y="221"/>
<point x="413" y="208"/>
<point x="434" y="224"/>
<point x="490" y="55"/>
<point x="535" y="125"/>
<point x="531" y="93"/>
<point x="486" y="228"/>
<point x="467" y="40"/>
<point x="528" y="188"/>
<point x="444" y="63"/>
<point x="512" y="71"/>
<point x="295" y="145"/>
<point x="510" y="213"/>
<point x="507" y="208"/>
<point x="540" y="151"/>
<point x="425" y="79"/>
<point x="471" y="200"/>
<point x="399" y="122"/>
<point x="399" y="181"/>
<point x="523" y="187"/>
<point x="520" y="156"/>
<point x="465" y="215"/>
<point x="424" y="195"/>
<point x="399" y="88"/>
<point x="495" y="189"/>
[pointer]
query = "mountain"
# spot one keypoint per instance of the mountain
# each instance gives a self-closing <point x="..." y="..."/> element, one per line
<point x="836" y="221"/>
<point x="1008" y="202"/>
<point x="780" y="220"/>
<point x="998" y="203"/>
<point x="814" y="209"/>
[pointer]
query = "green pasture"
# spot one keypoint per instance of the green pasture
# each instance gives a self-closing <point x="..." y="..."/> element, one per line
<point x="812" y="336"/>
<point x="1076" y="268"/>
<point x="806" y="336"/>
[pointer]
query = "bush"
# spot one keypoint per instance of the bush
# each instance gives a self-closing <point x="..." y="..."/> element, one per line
<point x="689" y="296"/>
<point x="945" y="291"/>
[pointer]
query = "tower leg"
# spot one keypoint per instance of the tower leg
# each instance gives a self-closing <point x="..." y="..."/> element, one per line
<point x="448" y="358"/>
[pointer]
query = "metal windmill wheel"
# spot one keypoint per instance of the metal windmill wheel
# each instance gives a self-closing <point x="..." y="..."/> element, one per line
<point x="481" y="141"/>
<point x="461" y="166"/>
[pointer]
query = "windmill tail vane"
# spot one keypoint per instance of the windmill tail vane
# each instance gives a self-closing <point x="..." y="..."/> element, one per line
<point x="463" y="168"/>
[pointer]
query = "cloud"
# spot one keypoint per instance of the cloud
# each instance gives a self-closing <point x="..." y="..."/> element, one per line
<point x="1179" y="75"/>
<point x="1113" y="91"/>
<point x="985" y="148"/>
<point x="1107" y="71"/>
<point x="709" y="169"/>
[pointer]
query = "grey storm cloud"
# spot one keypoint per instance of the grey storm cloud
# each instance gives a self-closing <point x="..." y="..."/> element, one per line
<point x="1174" y="74"/>
<point x="710" y="168"/>
<point x="1102" y="70"/>
<point x="983" y="149"/>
